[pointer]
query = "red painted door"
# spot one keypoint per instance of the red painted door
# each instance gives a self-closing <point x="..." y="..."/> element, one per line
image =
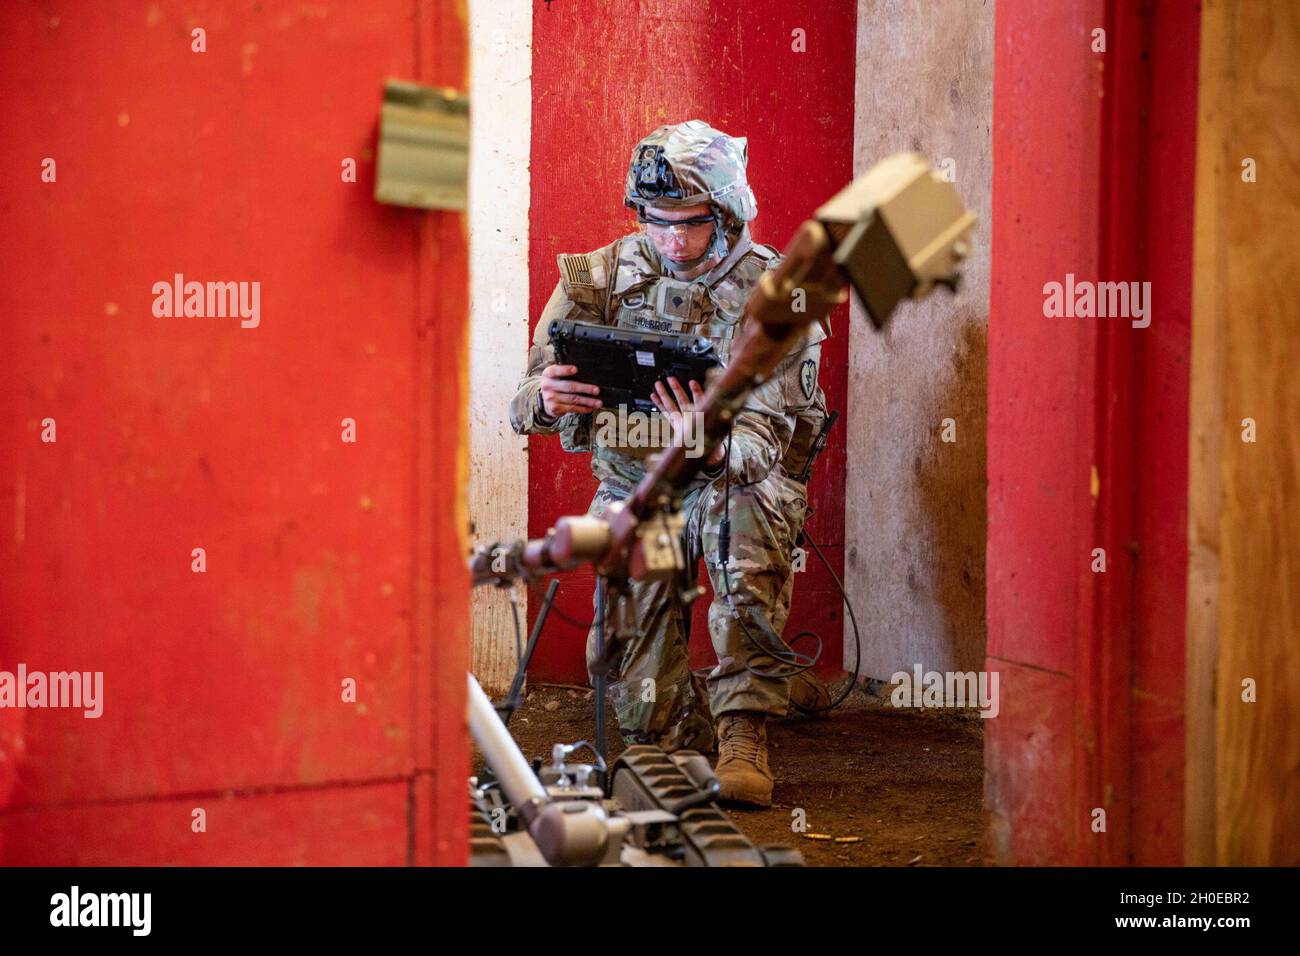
<point x="325" y="561"/>
<point x="1094" y="163"/>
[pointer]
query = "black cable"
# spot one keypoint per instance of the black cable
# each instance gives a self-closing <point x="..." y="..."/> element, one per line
<point x="600" y="760"/>
<point x="599" y="682"/>
<point x="857" y="637"/>
<point x="514" y="697"/>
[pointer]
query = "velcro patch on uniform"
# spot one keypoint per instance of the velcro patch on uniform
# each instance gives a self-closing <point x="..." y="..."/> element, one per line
<point x="808" y="377"/>
<point x="678" y="300"/>
<point x="576" y="269"/>
<point x="656" y="325"/>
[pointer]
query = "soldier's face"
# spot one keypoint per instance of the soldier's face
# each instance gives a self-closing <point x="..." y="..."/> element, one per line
<point x="684" y="242"/>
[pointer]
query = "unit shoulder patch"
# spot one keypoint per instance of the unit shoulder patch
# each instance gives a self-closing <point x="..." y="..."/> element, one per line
<point x="808" y="377"/>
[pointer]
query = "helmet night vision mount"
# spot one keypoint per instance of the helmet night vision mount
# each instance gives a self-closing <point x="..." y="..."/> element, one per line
<point x="652" y="175"/>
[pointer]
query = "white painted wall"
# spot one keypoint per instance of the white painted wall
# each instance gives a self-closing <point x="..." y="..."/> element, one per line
<point x="500" y="99"/>
<point x="915" y="508"/>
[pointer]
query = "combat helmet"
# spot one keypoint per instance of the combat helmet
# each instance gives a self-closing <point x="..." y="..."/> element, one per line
<point x="684" y="164"/>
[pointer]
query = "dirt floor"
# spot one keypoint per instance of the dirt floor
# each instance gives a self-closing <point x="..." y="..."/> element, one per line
<point x="908" y="784"/>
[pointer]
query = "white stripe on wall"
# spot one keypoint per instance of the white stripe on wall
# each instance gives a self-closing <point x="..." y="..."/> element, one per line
<point x="500" y="97"/>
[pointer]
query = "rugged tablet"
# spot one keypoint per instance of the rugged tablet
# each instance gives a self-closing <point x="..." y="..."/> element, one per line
<point x="626" y="363"/>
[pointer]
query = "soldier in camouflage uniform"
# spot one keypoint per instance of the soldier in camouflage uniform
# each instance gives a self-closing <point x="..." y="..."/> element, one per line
<point x="691" y="270"/>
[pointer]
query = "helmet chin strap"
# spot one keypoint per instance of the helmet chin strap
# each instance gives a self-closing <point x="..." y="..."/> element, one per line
<point x="682" y="265"/>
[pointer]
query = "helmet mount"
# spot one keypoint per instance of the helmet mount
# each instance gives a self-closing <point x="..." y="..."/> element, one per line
<point x="652" y="175"/>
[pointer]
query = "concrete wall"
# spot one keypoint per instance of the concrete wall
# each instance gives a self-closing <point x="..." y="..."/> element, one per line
<point x="915" y="516"/>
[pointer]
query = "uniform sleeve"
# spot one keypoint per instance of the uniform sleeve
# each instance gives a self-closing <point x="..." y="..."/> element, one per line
<point x="762" y="431"/>
<point x="766" y="424"/>
<point x="524" y="411"/>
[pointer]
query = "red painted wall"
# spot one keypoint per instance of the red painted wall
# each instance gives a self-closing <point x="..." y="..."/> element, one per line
<point x="605" y="76"/>
<point x="324" y="560"/>
<point x="1093" y="175"/>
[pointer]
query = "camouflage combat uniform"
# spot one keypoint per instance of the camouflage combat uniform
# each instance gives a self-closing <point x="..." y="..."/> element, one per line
<point x="627" y="284"/>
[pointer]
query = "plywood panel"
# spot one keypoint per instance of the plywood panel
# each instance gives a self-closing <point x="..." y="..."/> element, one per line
<point x="1029" y="776"/>
<point x="1243" y="603"/>
<point x="177" y="433"/>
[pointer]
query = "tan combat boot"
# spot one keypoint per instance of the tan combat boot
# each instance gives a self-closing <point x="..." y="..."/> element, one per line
<point x="742" y="759"/>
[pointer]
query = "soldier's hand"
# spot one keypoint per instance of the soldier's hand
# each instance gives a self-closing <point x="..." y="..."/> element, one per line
<point x="673" y="402"/>
<point x="561" y="395"/>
